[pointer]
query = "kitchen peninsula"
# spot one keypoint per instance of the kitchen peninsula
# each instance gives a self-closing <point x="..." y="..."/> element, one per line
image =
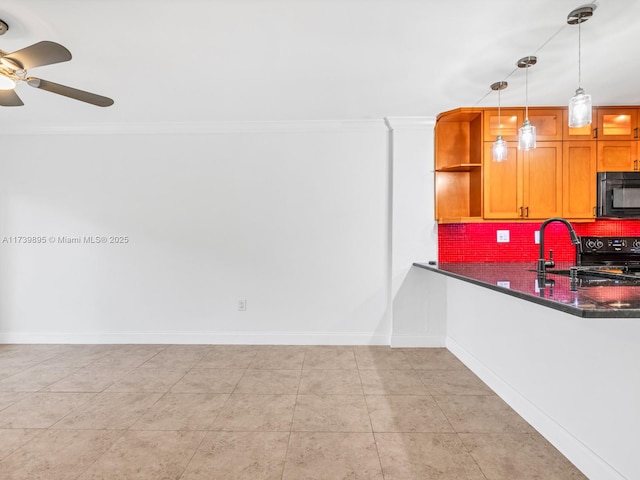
<point x="562" y="352"/>
<point x="567" y="361"/>
<point x="599" y="297"/>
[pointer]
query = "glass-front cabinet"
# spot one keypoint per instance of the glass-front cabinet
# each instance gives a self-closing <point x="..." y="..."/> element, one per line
<point x="617" y="124"/>
<point x="617" y="136"/>
<point x="505" y="124"/>
<point x="548" y="123"/>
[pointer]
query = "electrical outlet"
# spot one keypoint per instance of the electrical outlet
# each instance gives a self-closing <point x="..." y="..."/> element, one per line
<point x="242" y="305"/>
<point x="536" y="237"/>
<point x="504" y="283"/>
<point x="502" y="236"/>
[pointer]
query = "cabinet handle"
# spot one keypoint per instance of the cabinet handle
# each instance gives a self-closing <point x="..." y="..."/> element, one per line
<point x="594" y="211"/>
<point x="526" y="210"/>
<point x="595" y="132"/>
<point x="635" y="132"/>
<point x="520" y="212"/>
<point x="635" y="164"/>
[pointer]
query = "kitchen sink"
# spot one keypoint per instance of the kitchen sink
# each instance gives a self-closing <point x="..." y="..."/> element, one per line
<point x="614" y="273"/>
<point x="597" y="275"/>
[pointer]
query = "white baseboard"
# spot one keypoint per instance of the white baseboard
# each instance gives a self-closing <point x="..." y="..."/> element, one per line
<point x="415" y="341"/>
<point x="244" y="338"/>
<point x="592" y="465"/>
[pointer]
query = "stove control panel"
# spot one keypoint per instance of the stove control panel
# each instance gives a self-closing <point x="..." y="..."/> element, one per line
<point x="628" y="245"/>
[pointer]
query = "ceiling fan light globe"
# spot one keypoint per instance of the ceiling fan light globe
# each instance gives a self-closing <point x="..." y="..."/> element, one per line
<point x="7" y="83"/>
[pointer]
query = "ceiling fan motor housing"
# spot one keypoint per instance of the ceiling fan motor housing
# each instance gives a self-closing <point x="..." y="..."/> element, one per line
<point x="3" y="27"/>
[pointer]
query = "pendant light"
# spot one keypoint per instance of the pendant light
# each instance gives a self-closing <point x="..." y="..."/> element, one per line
<point x="499" y="147"/>
<point x="580" y="106"/>
<point x="527" y="133"/>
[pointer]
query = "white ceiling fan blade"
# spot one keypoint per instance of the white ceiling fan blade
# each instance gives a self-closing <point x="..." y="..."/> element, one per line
<point x="9" y="98"/>
<point x="69" y="92"/>
<point x="41" y="53"/>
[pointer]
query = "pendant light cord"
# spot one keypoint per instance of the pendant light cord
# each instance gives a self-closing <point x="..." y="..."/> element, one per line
<point x="499" y="120"/>
<point x="526" y="91"/>
<point x="516" y="69"/>
<point x="579" y="53"/>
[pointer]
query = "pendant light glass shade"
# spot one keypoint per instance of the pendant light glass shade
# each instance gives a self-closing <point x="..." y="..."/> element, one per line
<point x="580" y="105"/>
<point x="499" y="147"/>
<point x="527" y="132"/>
<point x="527" y="136"/>
<point x="580" y="108"/>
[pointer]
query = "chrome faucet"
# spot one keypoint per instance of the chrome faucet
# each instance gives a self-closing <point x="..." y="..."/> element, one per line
<point x="544" y="264"/>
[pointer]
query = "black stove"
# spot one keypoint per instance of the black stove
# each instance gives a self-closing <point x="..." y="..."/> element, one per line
<point x="605" y="261"/>
<point x="610" y="251"/>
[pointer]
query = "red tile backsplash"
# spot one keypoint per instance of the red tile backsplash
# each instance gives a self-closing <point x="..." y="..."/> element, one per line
<point x="476" y="242"/>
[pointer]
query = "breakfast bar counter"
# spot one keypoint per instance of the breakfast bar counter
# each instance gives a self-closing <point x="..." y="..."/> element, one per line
<point x="564" y="358"/>
<point x="596" y="298"/>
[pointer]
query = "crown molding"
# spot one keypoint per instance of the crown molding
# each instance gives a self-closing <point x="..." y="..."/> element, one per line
<point x="190" y="128"/>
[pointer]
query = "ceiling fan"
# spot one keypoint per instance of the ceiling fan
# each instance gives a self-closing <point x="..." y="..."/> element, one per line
<point x="14" y="66"/>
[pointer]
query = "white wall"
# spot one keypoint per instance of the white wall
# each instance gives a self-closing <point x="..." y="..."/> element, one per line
<point x="292" y="218"/>
<point x="414" y="233"/>
<point x="419" y="314"/>
<point x="574" y="379"/>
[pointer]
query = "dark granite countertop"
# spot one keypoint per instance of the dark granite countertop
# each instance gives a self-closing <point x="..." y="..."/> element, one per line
<point x="600" y="299"/>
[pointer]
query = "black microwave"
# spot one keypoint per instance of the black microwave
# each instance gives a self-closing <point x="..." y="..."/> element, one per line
<point x="618" y="195"/>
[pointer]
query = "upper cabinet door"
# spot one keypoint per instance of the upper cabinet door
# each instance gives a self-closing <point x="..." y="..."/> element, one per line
<point x="510" y="121"/>
<point x="618" y="156"/>
<point x="548" y="123"/>
<point x="542" y="181"/>
<point x="581" y="133"/>
<point x="617" y="124"/>
<point x="503" y="184"/>
<point x="578" y="179"/>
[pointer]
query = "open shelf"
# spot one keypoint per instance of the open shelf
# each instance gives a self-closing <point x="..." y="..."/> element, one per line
<point x="463" y="167"/>
<point x="458" y="162"/>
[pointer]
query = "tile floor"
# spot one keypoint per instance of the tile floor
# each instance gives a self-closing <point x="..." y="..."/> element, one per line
<point x="193" y="412"/>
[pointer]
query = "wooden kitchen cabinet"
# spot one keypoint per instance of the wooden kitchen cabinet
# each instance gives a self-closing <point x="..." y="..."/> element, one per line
<point x="527" y="185"/>
<point x="502" y="184"/>
<point x="542" y="179"/>
<point x="548" y="123"/>
<point x="617" y="123"/>
<point x="510" y="121"/>
<point x="458" y="162"/>
<point x="617" y="136"/>
<point x="617" y="155"/>
<point x="579" y="179"/>
<point x="558" y="178"/>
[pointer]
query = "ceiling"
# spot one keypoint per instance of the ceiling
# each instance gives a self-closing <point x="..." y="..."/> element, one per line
<point x="287" y="60"/>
